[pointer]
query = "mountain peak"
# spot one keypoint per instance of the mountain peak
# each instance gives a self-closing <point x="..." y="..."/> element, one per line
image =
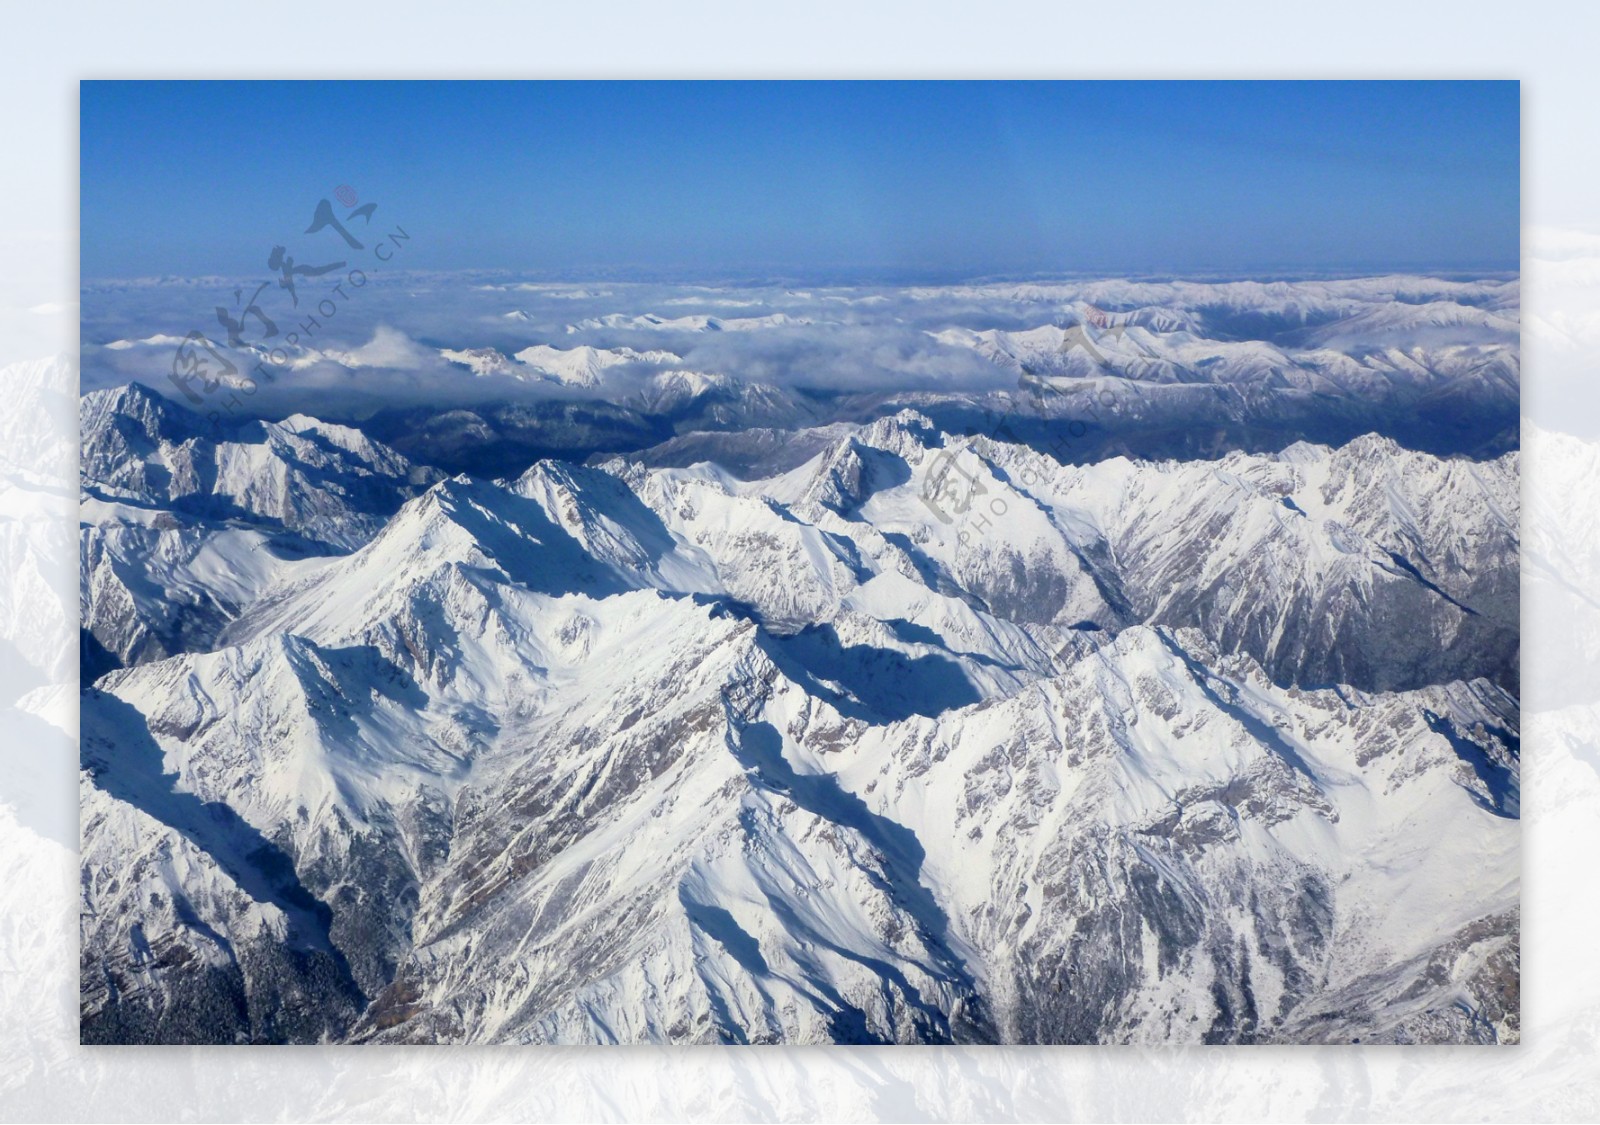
<point x="152" y="415"/>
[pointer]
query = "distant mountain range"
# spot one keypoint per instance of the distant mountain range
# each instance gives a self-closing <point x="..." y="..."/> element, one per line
<point x="1143" y="369"/>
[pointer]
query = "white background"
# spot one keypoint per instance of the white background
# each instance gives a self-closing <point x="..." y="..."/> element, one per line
<point x="1553" y="1075"/>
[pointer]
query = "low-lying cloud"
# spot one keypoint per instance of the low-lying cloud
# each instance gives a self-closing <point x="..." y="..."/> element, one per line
<point x="440" y="340"/>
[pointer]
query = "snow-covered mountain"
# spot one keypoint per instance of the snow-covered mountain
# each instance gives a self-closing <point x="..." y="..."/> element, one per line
<point x="581" y="366"/>
<point x="183" y="521"/>
<point x="692" y="323"/>
<point x="926" y="738"/>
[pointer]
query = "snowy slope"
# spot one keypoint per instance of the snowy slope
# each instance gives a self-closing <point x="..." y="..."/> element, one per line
<point x="1209" y="750"/>
<point x="184" y="523"/>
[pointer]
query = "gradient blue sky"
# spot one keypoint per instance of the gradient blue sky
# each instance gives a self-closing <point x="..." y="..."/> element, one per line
<point x="849" y="181"/>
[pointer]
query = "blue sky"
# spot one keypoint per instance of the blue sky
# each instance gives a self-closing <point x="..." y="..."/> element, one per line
<point x="841" y="181"/>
